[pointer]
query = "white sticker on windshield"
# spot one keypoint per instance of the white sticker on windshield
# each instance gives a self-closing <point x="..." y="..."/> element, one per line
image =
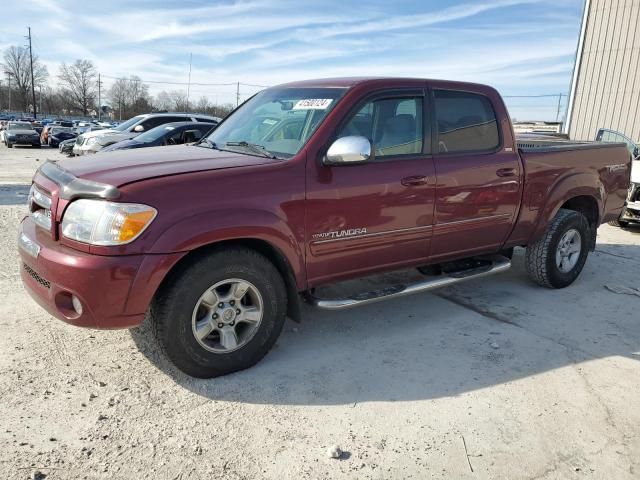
<point x="313" y="104"/>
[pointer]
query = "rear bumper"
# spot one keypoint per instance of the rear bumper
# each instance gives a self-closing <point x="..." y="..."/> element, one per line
<point x="114" y="291"/>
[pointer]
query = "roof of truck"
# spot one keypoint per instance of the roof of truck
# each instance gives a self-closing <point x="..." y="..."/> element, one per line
<point x="348" y="82"/>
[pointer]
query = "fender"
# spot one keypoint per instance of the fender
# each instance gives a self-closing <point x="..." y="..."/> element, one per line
<point x="565" y="188"/>
<point x="214" y="226"/>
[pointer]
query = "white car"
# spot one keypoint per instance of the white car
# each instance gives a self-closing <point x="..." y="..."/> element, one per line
<point x="94" y="141"/>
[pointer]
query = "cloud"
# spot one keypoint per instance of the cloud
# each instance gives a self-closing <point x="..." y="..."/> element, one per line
<point x="520" y="46"/>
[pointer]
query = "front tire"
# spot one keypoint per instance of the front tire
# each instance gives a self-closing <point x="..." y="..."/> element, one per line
<point x="556" y="259"/>
<point x="221" y="313"/>
<point x="9" y="145"/>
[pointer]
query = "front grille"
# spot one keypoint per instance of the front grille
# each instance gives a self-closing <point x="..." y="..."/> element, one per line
<point x="40" y="207"/>
<point x="33" y="274"/>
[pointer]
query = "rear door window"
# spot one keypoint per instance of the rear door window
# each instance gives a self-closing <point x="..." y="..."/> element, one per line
<point x="465" y="122"/>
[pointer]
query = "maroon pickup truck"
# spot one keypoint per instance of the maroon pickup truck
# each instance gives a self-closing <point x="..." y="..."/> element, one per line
<point x="307" y="184"/>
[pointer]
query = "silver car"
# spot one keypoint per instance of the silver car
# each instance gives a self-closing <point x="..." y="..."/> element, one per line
<point x="92" y="142"/>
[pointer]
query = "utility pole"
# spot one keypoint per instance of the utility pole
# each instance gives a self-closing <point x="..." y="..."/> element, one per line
<point x="99" y="96"/>
<point x="40" y="99"/>
<point x="238" y="95"/>
<point x="33" y="87"/>
<point x="189" y="84"/>
<point x="558" y="111"/>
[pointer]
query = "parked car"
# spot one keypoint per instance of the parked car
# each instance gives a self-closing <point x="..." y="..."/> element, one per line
<point x="21" y="133"/>
<point x="66" y="147"/>
<point x="345" y="178"/>
<point x="176" y="133"/>
<point x="59" y="134"/>
<point x="95" y="141"/>
<point x="631" y="212"/>
<point x="90" y="128"/>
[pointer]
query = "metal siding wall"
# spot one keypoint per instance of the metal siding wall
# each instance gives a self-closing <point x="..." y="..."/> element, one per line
<point x="607" y="93"/>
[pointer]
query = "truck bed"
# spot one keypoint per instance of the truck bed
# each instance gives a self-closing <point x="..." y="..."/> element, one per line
<point x="528" y="145"/>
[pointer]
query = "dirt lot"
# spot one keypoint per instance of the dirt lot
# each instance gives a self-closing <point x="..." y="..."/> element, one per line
<point x="496" y="378"/>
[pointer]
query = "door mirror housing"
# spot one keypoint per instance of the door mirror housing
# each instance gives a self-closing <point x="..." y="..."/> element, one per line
<point x="138" y="128"/>
<point x="352" y="150"/>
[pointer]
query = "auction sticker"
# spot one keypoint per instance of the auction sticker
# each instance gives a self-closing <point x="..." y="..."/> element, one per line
<point x="312" y="104"/>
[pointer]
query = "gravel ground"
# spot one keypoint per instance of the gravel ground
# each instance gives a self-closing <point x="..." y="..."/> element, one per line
<point x="495" y="378"/>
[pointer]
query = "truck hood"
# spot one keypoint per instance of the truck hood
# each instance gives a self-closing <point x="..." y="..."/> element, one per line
<point x="127" y="166"/>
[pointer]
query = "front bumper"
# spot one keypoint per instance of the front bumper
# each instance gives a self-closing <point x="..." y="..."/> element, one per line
<point x="631" y="212"/>
<point x="114" y="291"/>
<point x="35" y="142"/>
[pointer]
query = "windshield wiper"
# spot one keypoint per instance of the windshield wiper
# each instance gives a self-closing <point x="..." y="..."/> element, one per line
<point x="255" y="148"/>
<point x="208" y="143"/>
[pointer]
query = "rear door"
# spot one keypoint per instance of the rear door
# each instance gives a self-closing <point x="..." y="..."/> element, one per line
<point x="376" y="215"/>
<point x="478" y="189"/>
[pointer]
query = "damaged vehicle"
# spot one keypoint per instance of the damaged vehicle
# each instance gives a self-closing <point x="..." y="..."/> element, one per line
<point x="631" y="212"/>
<point x="306" y="185"/>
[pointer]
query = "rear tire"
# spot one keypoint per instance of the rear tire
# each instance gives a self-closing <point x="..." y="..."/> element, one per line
<point x="191" y="300"/>
<point x="619" y="223"/>
<point x="9" y="145"/>
<point x="556" y="259"/>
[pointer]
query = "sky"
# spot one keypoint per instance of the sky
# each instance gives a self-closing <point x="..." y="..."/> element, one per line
<point x="521" y="47"/>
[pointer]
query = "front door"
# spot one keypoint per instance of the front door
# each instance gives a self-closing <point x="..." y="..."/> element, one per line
<point x="377" y="215"/>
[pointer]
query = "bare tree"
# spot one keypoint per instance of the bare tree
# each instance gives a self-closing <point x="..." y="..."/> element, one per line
<point x="203" y="105"/>
<point x="17" y="67"/>
<point x="179" y="99"/>
<point x="79" y="82"/>
<point x="137" y="96"/>
<point x="118" y="96"/>
<point x="163" y="101"/>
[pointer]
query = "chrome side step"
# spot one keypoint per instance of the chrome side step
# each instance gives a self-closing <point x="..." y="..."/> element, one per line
<point x="499" y="264"/>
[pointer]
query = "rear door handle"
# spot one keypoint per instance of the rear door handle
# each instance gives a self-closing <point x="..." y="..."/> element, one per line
<point x="415" y="180"/>
<point x="506" y="172"/>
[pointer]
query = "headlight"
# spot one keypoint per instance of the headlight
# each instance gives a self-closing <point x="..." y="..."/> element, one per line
<point x="106" y="223"/>
<point x="92" y="141"/>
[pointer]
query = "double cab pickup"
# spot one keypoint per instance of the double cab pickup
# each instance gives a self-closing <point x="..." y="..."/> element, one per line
<point x="308" y="184"/>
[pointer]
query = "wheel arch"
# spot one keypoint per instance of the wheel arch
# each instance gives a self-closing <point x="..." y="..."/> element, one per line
<point x="582" y="193"/>
<point x="270" y="251"/>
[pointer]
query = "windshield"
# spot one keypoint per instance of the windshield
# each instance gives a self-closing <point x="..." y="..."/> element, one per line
<point x="125" y="125"/>
<point x="20" y="126"/>
<point x="55" y="130"/>
<point x="279" y="120"/>
<point x="154" y="134"/>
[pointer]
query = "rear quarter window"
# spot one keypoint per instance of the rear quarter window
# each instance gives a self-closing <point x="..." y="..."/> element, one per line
<point x="466" y="122"/>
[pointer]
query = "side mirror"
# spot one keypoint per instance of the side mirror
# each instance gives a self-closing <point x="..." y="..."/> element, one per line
<point x="351" y="150"/>
<point x="138" y="128"/>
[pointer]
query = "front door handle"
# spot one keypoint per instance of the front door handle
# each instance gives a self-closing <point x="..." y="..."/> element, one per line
<point x="415" y="180"/>
<point x="506" y="172"/>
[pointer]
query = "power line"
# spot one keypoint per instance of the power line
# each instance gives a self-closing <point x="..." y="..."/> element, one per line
<point x="535" y="96"/>
<point x="174" y="83"/>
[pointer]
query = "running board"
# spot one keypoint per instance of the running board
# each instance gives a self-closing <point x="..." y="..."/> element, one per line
<point x="499" y="264"/>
